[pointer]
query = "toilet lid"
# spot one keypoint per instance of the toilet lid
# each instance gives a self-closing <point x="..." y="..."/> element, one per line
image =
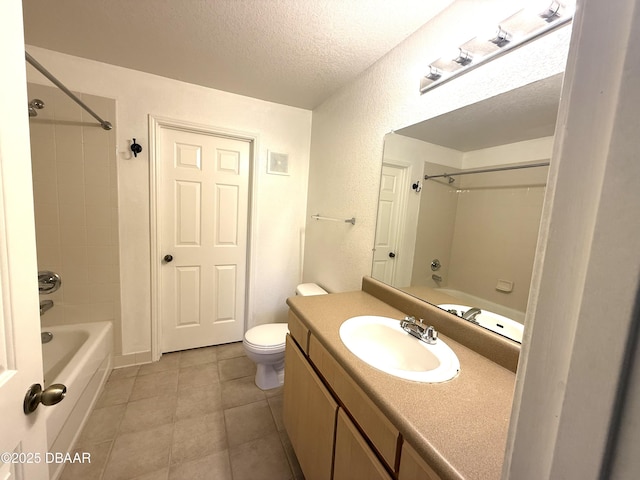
<point x="268" y="335"/>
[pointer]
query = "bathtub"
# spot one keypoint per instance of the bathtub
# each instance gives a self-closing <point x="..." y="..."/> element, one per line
<point x="79" y="356"/>
<point x="511" y="313"/>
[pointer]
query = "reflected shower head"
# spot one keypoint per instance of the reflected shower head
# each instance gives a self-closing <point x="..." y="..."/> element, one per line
<point x="35" y="105"/>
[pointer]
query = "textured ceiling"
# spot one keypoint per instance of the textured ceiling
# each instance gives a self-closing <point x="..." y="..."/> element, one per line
<point x="294" y="52"/>
<point x="522" y="114"/>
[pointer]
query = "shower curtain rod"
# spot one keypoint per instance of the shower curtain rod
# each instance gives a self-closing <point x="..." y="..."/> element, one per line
<point x="487" y="170"/>
<point x="103" y="123"/>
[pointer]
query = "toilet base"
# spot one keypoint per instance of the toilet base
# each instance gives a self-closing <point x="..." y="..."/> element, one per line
<point x="268" y="377"/>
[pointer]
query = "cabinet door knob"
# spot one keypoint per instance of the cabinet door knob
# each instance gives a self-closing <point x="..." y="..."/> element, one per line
<point x="168" y="258"/>
<point x="392" y="255"/>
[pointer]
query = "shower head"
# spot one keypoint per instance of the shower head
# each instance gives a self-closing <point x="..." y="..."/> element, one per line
<point x="35" y="105"/>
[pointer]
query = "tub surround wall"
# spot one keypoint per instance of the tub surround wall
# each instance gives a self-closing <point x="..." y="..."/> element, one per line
<point x="348" y="130"/>
<point x="76" y="207"/>
<point x="277" y="231"/>
<point x="487" y="225"/>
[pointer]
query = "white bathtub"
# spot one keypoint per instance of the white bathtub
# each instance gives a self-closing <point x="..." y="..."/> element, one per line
<point x="511" y="313"/>
<point x="81" y="357"/>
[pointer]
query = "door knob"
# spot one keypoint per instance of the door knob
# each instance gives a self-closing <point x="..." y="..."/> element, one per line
<point x="392" y="255"/>
<point x="49" y="396"/>
<point x="168" y="258"/>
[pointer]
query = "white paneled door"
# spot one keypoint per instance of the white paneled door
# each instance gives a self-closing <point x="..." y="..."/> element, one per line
<point x="203" y="218"/>
<point x="388" y="223"/>
<point x="23" y="443"/>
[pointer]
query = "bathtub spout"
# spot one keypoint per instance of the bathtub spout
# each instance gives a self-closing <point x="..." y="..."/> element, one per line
<point x="45" y="305"/>
<point x="46" y="337"/>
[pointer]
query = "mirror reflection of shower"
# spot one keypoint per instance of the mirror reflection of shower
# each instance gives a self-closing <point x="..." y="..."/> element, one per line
<point x="35" y="105"/>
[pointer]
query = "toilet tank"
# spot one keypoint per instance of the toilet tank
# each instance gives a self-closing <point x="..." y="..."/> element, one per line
<point x="309" y="289"/>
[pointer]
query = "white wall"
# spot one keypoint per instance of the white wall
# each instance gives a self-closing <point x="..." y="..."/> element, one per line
<point x="278" y="221"/>
<point x="348" y="129"/>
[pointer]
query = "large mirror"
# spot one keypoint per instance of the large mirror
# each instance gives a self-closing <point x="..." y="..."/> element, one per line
<point x="460" y="204"/>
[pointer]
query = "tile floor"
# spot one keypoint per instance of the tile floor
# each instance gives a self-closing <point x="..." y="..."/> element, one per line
<point x="193" y="415"/>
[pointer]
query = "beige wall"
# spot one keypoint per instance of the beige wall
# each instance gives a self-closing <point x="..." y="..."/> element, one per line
<point x="76" y="207"/>
<point x="436" y="226"/>
<point x="495" y="236"/>
<point x="482" y="228"/>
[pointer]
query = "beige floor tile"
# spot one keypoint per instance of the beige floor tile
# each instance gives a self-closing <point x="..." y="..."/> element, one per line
<point x="249" y="422"/>
<point x="166" y="420"/>
<point x="162" y="474"/>
<point x="230" y="350"/>
<point x="198" y="401"/>
<point x="197" y="356"/>
<point x="124" y="372"/>
<point x="198" y="437"/>
<point x="168" y="361"/>
<point x="275" y="403"/>
<point x="116" y="392"/>
<point x="155" y="384"/>
<point x="237" y="367"/>
<point x="274" y="392"/>
<point x="212" y="467"/>
<point x="240" y="392"/>
<point x="261" y="459"/>
<point x="291" y="456"/>
<point x="198" y="375"/>
<point x="102" y="425"/>
<point x="88" y="470"/>
<point x="139" y="453"/>
<point x="148" y="413"/>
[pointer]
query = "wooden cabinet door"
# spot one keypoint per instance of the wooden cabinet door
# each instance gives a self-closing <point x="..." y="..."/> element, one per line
<point x="309" y="414"/>
<point x="413" y="467"/>
<point x="354" y="460"/>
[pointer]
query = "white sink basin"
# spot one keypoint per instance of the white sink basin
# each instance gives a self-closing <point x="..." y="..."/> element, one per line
<point x="383" y="344"/>
<point x="491" y="321"/>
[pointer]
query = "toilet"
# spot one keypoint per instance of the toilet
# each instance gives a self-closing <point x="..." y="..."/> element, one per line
<point x="264" y="345"/>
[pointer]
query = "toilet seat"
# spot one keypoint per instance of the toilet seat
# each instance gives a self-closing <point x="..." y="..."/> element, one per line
<point x="268" y="338"/>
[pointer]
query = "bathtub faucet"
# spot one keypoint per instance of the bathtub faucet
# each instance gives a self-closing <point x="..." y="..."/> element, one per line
<point x="471" y="314"/>
<point x="48" y="282"/>
<point x="45" y="305"/>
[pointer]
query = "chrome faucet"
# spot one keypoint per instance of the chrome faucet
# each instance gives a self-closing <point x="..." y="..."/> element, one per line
<point x="45" y="305"/>
<point x="427" y="334"/>
<point x="471" y="314"/>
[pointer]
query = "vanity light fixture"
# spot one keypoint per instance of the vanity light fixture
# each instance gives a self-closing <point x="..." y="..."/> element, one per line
<point x="552" y="12"/>
<point x="501" y="37"/>
<point x="464" y="57"/>
<point x="434" y="73"/>
<point x="515" y="31"/>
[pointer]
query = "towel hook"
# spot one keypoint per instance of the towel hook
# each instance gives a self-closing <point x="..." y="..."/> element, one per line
<point x="136" y="148"/>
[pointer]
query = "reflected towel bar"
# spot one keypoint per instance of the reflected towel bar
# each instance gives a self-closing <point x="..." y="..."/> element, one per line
<point x="351" y="220"/>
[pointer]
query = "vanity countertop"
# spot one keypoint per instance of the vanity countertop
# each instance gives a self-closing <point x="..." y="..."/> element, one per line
<point x="460" y="426"/>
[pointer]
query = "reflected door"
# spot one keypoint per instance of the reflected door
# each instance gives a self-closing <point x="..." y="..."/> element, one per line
<point x="388" y="226"/>
<point x="203" y="216"/>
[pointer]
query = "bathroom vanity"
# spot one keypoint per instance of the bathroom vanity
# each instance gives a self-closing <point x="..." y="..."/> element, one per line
<point x="349" y="420"/>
